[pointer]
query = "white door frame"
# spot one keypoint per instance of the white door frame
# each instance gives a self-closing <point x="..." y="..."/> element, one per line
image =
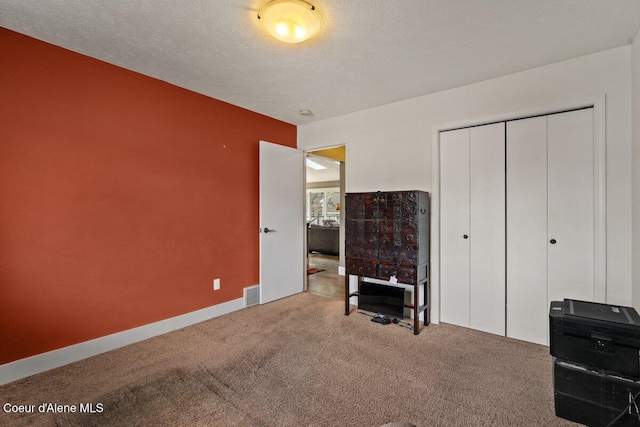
<point x="600" y="256"/>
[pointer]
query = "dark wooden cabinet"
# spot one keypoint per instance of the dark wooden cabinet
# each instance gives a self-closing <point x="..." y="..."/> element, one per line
<point x="387" y="235"/>
<point x="389" y="230"/>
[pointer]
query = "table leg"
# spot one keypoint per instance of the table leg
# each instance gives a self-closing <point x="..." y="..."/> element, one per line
<point x="347" y="309"/>
<point x="416" y="311"/>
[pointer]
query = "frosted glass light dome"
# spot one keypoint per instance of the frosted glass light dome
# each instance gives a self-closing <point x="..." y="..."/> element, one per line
<point x="290" y="21"/>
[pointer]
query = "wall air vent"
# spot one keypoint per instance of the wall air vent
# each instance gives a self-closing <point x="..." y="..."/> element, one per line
<point x="252" y="295"/>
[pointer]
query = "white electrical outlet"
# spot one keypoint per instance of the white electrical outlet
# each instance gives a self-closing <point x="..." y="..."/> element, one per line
<point x="216" y="284"/>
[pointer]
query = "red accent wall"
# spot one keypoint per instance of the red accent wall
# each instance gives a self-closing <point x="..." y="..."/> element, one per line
<point x="121" y="198"/>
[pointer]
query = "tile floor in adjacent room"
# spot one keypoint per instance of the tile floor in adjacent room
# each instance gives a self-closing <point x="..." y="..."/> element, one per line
<point x="326" y="283"/>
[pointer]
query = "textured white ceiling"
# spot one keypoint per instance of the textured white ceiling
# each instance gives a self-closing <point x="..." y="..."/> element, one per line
<point x="369" y="53"/>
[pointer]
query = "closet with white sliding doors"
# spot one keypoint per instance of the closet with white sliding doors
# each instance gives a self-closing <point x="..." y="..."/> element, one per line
<point x="517" y="221"/>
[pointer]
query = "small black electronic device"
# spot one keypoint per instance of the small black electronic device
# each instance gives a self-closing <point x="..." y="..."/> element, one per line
<point x="384" y="320"/>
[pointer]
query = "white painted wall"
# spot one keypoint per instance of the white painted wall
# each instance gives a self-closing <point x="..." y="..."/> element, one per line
<point x="635" y="102"/>
<point x="390" y="147"/>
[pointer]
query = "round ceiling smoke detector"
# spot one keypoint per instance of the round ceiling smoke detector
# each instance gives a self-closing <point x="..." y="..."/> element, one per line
<point x="290" y="21"/>
<point x="306" y="113"/>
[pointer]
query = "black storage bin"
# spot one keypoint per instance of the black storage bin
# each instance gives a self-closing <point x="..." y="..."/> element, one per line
<point x="591" y="396"/>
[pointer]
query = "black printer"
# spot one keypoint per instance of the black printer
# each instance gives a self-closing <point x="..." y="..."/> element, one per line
<point x="598" y="335"/>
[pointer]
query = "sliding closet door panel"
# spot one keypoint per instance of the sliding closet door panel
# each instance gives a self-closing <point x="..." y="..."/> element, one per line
<point x="487" y="228"/>
<point x="527" y="303"/>
<point x="571" y="216"/>
<point x="454" y="225"/>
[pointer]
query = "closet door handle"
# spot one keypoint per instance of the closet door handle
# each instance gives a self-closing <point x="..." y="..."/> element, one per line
<point x="465" y="236"/>
<point x="552" y="241"/>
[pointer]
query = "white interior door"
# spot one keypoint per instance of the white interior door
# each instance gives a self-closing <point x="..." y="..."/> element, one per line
<point x="571" y="205"/>
<point x="527" y="302"/>
<point x="454" y="226"/>
<point x="281" y="221"/>
<point x="487" y="228"/>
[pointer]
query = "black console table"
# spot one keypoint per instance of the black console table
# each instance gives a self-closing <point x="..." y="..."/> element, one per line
<point x="416" y="313"/>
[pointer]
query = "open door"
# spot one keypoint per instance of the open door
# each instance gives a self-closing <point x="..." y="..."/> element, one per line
<point x="282" y="224"/>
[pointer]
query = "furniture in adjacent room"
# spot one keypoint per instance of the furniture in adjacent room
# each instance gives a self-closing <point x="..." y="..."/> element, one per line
<point x="323" y="239"/>
<point x="517" y="221"/>
<point x="387" y="238"/>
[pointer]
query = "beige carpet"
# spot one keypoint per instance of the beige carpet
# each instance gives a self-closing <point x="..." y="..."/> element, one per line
<point x="301" y="362"/>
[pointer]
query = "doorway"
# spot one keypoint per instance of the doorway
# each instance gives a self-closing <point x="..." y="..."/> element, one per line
<point x="324" y="198"/>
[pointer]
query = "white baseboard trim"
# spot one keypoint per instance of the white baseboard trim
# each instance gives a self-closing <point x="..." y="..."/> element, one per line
<point x="32" y="365"/>
<point x="341" y="271"/>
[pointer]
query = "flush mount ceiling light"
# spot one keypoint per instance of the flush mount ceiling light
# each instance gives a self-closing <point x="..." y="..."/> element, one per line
<point x="290" y="21"/>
